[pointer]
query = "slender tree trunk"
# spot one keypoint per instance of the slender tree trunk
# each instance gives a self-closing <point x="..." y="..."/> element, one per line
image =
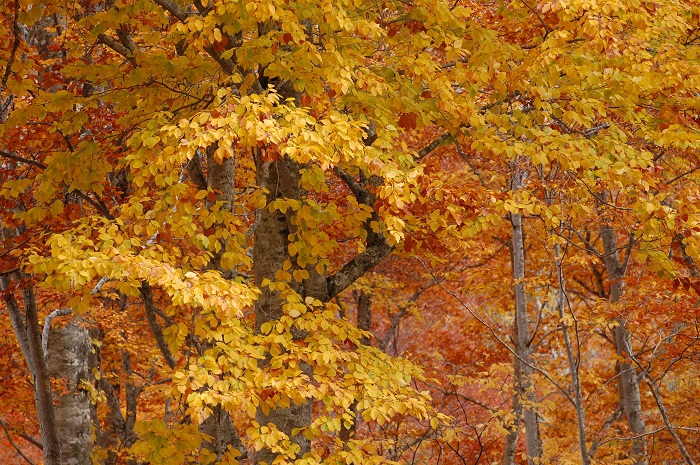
<point x="69" y="350"/>
<point x="533" y="441"/>
<point x="511" y="442"/>
<point x="573" y="362"/>
<point x="28" y="334"/>
<point x="363" y="302"/>
<point x="628" y="379"/>
<point x="131" y="405"/>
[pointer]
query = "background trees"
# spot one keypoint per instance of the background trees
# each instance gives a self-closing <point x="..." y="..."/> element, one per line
<point x="233" y="232"/>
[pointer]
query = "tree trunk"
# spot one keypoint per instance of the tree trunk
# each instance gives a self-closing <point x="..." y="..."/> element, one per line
<point x="220" y="428"/>
<point x="533" y="442"/>
<point x="363" y="305"/>
<point x="105" y="438"/>
<point x="511" y="442"/>
<point x="628" y="379"/>
<point x="221" y="178"/>
<point x="28" y="334"/>
<point x="573" y="362"/>
<point x="69" y="349"/>
<point x="281" y="179"/>
<point x="42" y="382"/>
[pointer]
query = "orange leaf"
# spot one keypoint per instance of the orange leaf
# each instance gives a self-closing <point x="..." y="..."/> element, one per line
<point x="407" y="120"/>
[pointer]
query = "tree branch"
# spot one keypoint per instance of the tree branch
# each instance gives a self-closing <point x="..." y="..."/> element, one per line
<point x="149" y="306"/>
<point x="470" y="163"/>
<point x="47" y="327"/>
<point x="375" y="252"/>
<point x="11" y="156"/>
<point x="117" y="47"/>
<point x="432" y="146"/>
<point x="172" y="8"/>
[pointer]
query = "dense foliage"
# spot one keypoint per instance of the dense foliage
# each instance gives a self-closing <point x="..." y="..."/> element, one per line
<point x="316" y="231"/>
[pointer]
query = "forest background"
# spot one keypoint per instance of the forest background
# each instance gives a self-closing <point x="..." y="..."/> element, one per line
<point x="352" y="231"/>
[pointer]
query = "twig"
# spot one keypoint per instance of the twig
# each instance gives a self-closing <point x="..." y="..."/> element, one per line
<point x="9" y="438"/>
<point x="682" y="175"/>
<point x="469" y="162"/>
<point x="547" y="29"/>
<point x="13" y="51"/>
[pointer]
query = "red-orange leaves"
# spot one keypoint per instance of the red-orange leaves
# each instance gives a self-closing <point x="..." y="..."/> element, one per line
<point x="270" y="153"/>
<point x="408" y="120"/>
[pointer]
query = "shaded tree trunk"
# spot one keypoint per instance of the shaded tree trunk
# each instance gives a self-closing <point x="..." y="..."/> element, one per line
<point x="511" y="442"/>
<point x="28" y="334"/>
<point x="220" y="428"/>
<point x="220" y="177"/>
<point x="105" y="438"/>
<point x="281" y="179"/>
<point x="572" y="360"/>
<point x="628" y="380"/>
<point x="363" y="305"/>
<point x="533" y="441"/>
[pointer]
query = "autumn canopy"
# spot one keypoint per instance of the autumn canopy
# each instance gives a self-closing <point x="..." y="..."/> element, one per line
<point x="349" y="232"/>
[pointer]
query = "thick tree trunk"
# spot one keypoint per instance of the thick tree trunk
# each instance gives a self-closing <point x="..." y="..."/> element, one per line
<point x="281" y="179"/>
<point x="220" y="428"/>
<point x="628" y="379"/>
<point x="221" y="179"/>
<point x="533" y="441"/>
<point x="69" y="350"/>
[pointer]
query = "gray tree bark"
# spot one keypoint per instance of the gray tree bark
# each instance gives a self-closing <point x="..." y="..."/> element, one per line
<point x="511" y="442"/>
<point x="69" y="349"/>
<point x="221" y="179"/>
<point x="628" y="380"/>
<point x="281" y="179"/>
<point x="573" y="362"/>
<point x="533" y="441"/>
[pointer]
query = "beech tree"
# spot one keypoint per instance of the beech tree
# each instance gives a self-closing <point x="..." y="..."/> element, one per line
<point x="185" y="160"/>
<point x="231" y="229"/>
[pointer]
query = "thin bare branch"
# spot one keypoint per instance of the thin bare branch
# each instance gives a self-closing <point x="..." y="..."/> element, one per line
<point x="13" y="51"/>
<point x="13" y="444"/>
<point x="495" y="335"/>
